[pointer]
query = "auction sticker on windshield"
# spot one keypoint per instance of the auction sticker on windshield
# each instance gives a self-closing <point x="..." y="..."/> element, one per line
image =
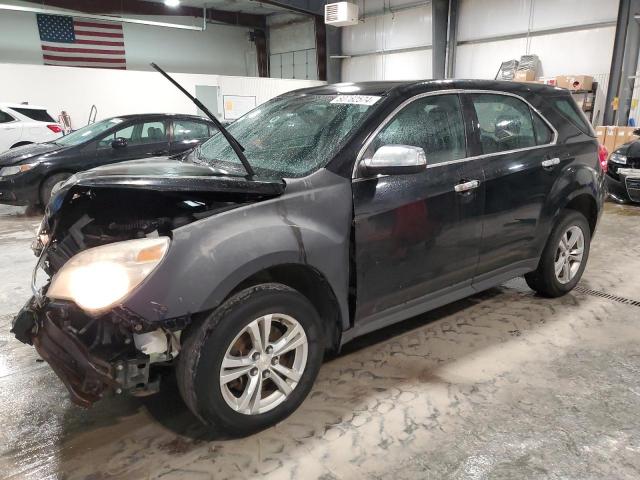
<point x="356" y="99"/>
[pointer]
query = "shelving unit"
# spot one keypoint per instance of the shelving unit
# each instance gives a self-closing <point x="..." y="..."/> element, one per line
<point x="587" y="100"/>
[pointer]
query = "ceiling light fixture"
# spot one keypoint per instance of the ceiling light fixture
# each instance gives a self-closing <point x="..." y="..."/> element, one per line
<point x="172" y="3"/>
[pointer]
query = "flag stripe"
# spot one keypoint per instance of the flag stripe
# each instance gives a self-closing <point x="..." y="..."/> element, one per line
<point x="83" y="50"/>
<point x="113" y="26"/>
<point x="80" y="33"/>
<point x="94" y="29"/>
<point x="81" y="64"/>
<point x="100" y="42"/>
<point x="83" y="59"/>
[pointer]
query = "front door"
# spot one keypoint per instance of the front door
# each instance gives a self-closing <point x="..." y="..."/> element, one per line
<point x="521" y="163"/>
<point x="142" y="139"/>
<point x="10" y="131"/>
<point x="417" y="234"/>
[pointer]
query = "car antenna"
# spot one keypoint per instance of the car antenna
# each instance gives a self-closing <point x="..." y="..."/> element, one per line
<point x="239" y="149"/>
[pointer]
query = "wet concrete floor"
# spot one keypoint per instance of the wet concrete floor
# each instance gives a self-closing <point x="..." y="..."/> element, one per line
<point x="502" y="385"/>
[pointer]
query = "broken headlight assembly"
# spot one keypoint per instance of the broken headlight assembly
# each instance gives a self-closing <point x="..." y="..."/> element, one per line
<point x="98" y="278"/>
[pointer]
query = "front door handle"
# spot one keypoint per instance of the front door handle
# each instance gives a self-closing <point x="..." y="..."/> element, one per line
<point x="550" y="162"/>
<point x="466" y="186"/>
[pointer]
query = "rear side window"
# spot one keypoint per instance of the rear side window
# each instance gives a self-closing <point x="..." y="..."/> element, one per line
<point x="570" y="110"/>
<point x="189" y="130"/>
<point x="35" y="114"/>
<point x="433" y="123"/>
<point x="544" y="134"/>
<point x="5" y="117"/>
<point x="505" y="123"/>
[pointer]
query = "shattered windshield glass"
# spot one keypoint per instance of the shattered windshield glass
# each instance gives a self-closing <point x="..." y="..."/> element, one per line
<point x="288" y="136"/>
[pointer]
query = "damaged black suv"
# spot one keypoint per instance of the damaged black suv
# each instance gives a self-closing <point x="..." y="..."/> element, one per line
<point x="322" y="215"/>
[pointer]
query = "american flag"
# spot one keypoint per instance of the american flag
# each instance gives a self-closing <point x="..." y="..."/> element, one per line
<point x="74" y="42"/>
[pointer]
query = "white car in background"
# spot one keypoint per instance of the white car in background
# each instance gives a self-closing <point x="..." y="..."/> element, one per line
<point x="22" y="124"/>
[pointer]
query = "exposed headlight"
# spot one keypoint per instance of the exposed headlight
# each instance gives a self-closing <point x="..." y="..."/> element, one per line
<point x="7" y="171"/>
<point x="99" y="277"/>
<point x="617" y="158"/>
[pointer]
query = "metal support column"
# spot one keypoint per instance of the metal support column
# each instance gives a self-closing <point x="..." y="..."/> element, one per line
<point x="452" y="38"/>
<point x="440" y="16"/>
<point x="616" y="61"/>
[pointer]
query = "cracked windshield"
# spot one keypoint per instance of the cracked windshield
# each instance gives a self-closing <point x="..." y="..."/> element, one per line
<point x="288" y="137"/>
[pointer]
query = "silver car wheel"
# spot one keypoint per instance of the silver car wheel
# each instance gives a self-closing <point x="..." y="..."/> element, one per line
<point x="263" y="364"/>
<point x="569" y="254"/>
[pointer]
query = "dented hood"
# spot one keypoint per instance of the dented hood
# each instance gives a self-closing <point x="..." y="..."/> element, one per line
<point x="166" y="174"/>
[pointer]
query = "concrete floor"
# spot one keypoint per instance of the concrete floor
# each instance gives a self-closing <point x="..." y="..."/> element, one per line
<point x="502" y="385"/>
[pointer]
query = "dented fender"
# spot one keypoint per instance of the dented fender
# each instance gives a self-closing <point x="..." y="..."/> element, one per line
<point x="207" y="259"/>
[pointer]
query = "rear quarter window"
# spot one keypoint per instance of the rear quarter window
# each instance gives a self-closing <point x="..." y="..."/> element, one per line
<point x="35" y="114"/>
<point x="569" y="110"/>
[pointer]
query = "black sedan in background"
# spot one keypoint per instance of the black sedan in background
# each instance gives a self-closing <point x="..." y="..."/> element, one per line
<point x="623" y="172"/>
<point x="28" y="174"/>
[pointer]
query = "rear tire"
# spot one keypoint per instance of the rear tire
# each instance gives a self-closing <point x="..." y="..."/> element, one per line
<point x="47" y="186"/>
<point x="564" y="257"/>
<point x="238" y="383"/>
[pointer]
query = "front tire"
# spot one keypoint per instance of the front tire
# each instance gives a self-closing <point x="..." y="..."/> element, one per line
<point x="253" y="361"/>
<point x="47" y="186"/>
<point x="564" y="258"/>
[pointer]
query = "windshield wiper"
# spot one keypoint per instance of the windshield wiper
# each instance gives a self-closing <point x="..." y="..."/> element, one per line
<point x="235" y="145"/>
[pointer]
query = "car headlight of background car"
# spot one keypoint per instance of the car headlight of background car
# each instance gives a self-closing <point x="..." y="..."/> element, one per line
<point x="99" y="277"/>
<point x="618" y="158"/>
<point x="13" y="170"/>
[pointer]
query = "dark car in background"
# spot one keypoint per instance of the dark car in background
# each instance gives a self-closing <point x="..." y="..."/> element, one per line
<point x="316" y="218"/>
<point x="28" y="174"/>
<point x="623" y="172"/>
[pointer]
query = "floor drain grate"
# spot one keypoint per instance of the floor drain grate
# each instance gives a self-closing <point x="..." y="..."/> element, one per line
<point x="608" y="296"/>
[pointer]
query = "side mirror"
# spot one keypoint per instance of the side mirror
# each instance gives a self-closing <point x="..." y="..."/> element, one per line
<point x="636" y="132"/>
<point x="395" y="160"/>
<point x="119" y="143"/>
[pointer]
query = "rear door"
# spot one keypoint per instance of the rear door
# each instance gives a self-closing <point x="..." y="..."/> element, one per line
<point x="521" y="163"/>
<point x="415" y="234"/>
<point x="10" y="130"/>
<point x="187" y="133"/>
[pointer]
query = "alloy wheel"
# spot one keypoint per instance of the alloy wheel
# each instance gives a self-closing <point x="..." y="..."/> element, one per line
<point x="263" y="364"/>
<point x="569" y="254"/>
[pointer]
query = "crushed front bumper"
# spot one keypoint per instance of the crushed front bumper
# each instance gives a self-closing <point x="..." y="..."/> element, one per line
<point x="88" y="376"/>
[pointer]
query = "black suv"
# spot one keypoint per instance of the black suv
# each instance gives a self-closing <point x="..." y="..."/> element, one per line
<point x="321" y="215"/>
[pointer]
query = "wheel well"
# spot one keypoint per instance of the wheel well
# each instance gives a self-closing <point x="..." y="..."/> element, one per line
<point x="586" y="205"/>
<point x="310" y="283"/>
<point x="21" y="144"/>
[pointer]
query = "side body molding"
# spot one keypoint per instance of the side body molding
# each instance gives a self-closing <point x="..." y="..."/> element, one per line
<point x="309" y="225"/>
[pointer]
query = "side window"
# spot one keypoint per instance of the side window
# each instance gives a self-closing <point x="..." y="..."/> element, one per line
<point x="189" y="130"/>
<point x="126" y="133"/>
<point x="5" y="117"/>
<point x="434" y="123"/>
<point x="153" y="132"/>
<point x="570" y="110"/>
<point x="544" y="134"/>
<point x="505" y="122"/>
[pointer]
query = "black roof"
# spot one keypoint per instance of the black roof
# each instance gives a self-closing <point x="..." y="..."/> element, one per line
<point x="144" y="116"/>
<point x="387" y="87"/>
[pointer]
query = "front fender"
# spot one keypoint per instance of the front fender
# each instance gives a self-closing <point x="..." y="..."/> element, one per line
<point x="308" y="225"/>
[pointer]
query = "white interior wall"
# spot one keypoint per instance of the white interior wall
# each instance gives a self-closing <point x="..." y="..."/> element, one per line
<point x="586" y="49"/>
<point x="395" y="45"/>
<point x="220" y="49"/>
<point x="292" y="47"/>
<point x="119" y="92"/>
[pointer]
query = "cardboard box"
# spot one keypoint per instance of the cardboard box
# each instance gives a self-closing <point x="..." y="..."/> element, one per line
<point x="524" y="75"/>
<point x="548" y="80"/>
<point x="601" y="132"/>
<point x="610" y="138"/>
<point x="574" y="82"/>
<point x="625" y="135"/>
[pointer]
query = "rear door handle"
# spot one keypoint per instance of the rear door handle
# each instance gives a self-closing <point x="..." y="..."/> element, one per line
<point x="550" y="162"/>
<point x="466" y="186"/>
